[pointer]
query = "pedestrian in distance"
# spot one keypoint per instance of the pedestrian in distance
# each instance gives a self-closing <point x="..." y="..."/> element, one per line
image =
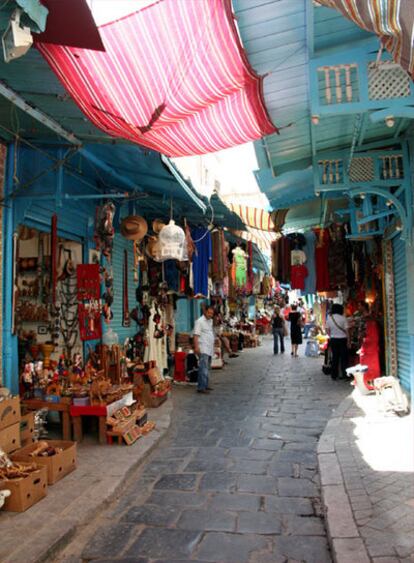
<point x="279" y="331"/>
<point x="295" y="319"/>
<point x="339" y="340"/>
<point x="204" y="347"/>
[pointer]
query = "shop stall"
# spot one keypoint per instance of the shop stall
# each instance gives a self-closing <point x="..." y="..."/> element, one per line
<point x="323" y="266"/>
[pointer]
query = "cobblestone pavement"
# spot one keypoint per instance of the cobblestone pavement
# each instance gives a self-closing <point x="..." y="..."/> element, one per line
<point x="235" y="480"/>
<point x="366" y="459"/>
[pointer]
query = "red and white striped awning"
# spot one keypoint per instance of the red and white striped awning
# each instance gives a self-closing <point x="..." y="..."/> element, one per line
<point x="173" y="77"/>
<point x="253" y="216"/>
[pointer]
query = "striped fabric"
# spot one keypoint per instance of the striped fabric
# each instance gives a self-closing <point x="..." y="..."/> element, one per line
<point x="174" y="78"/>
<point x="391" y="20"/>
<point x="253" y="217"/>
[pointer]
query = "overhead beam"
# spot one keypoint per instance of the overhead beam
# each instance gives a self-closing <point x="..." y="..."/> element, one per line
<point x="183" y="183"/>
<point x="38" y="115"/>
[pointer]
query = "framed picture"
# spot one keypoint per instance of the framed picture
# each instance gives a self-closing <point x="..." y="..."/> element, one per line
<point x="42" y="329"/>
<point x="94" y="256"/>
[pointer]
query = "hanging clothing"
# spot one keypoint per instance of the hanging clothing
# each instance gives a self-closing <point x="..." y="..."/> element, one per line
<point x="321" y="259"/>
<point x="310" y="281"/>
<point x="337" y="258"/>
<point x="240" y="261"/>
<point x="218" y="263"/>
<point x="156" y="349"/>
<point x="297" y="277"/>
<point x="154" y="276"/>
<point x="171" y="275"/>
<point x="201" y="259"/>
<point x="297" y="257"/>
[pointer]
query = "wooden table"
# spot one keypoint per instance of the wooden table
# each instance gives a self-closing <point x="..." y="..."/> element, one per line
<point x="63" y="408"/>
<point x="78" y="412"/>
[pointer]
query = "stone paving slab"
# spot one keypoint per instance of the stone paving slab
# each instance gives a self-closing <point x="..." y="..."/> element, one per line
<point x="242" y="476"/>
<point x="366" y="463"/>
<point x="235" y="479"/>
<point x="102" y="471"/>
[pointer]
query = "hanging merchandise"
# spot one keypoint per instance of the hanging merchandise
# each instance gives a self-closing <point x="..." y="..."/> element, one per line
<point x="201" y="259"/>
<point x="133" y="227"/>
<point x="68" y="313"/>
<point x="189" y="246"/>
<point x="171" y="275"/>
<point x="171" y="242"/>
<point x="310" y="281"/>
<point x="126" y="319"/>
<point x="240" y="262"/>
<point x="88" y="281"/>
<point x="321" y="259"/>
<point x="337" y="257"/>
<point x="89" y="305"/>
<point x="297" y="257"/>
<point x="54" y="250"/>
<point x="219" y="258"/>
<point x="297" y="276"/>
<point x="104" y="229"/>
<point x="250" y="276"/>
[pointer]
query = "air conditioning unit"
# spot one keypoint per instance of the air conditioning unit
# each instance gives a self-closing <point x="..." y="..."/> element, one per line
<point x="17" y="39"/>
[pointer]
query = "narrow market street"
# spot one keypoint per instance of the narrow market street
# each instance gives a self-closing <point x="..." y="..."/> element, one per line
<point x="235" y="479"/>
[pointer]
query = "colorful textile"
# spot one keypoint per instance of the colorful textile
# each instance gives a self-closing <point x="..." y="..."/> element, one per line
<point x="297" y="277"/>
<point x="240" y="261"/>
<point x="253" y="217"/>
<point x="321" y="259"/>
<point x="201" y="258"/>
<point x="219" y="263"/>
<point x="391" y="20"/>
<point x="310" y="281"/>
<point x="173" y="78"/>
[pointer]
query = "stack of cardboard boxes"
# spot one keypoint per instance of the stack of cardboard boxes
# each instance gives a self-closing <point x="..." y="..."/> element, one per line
<point x="17" y="435"/>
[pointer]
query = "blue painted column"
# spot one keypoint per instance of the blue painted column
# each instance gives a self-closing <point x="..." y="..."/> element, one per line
<point x="10" y="352"/>
<point x="410" y="305"/>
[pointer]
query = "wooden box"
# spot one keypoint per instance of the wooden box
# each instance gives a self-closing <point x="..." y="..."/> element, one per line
<point x="150" y="399"/>
<point x="27" y="428"/>
<point x="25" y="492"/>
<point x="9" y="412"/>
<point x="10" y="438"/>
<point x="57" y="465"/>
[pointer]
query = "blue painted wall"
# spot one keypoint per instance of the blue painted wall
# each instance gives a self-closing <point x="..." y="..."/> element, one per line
<point x="35" y="181"/>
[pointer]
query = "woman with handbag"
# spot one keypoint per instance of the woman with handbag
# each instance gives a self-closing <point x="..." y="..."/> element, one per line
<point x="339" y="339"/>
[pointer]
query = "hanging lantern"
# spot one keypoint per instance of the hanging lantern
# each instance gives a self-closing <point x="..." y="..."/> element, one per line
<point x="171" y="242"/>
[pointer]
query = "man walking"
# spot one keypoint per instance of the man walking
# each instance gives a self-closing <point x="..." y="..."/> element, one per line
<point x="204" y="347"/>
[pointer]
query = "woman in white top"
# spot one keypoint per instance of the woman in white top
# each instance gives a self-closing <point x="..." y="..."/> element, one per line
<point x="337" y="328"/>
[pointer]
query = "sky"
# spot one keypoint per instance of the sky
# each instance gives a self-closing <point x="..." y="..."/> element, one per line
<point x="105" y="11"/>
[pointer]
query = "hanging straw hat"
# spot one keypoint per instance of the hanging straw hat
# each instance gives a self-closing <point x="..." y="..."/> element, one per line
<point x="134" y="227"/>
<point x="157" y="225"/>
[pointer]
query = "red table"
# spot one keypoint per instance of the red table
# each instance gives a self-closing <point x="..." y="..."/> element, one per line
<point x="78" y="412"/>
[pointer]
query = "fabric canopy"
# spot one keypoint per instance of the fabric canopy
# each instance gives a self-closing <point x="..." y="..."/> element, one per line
<point x="391" y="20"/>
<point x="173" y="77"/>
<point x="259" y="218"/>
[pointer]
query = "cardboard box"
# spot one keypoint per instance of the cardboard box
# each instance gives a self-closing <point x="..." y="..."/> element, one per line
<point x="10" y="438"/>
<point x="27" y="425"/>
<point x="57" y="465"/>
<point x="25" y="492"/>
<point x="9" y="412"/>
